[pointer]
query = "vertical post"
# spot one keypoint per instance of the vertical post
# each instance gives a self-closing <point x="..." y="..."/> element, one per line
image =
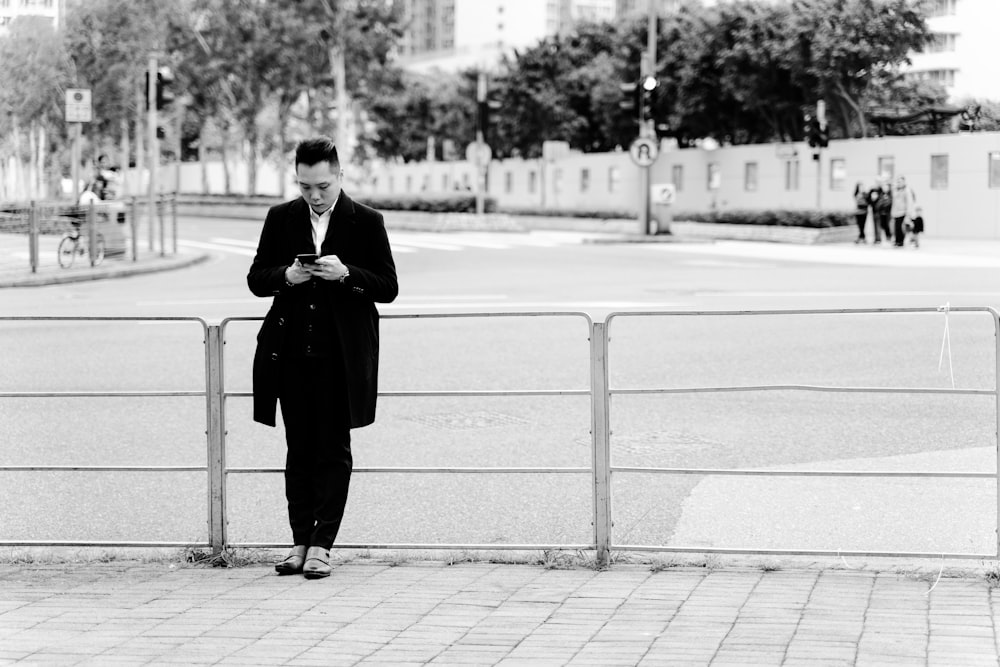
<point x="601" y="437"/>
<point x="154" y="147"/>
<point x="644" y="207"/>
<point x="33" y="237"/>
<point x="140" y="157"/>
<point x="123" y="190"/>
<point x="996" y="389"/>
<point x="480" y="140"/>
<point x="91" y="232"/>
<point x="173" y="220"/>
<point x="75" y="156"/>
<point x="216" y="436"/>
<point x="160" y="205"/>
<point x="819" y="178"/>
<point x="133" y="214"/>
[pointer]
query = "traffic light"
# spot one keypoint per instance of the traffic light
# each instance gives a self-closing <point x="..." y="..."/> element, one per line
<point x="630" y="96"/>
<point x="164" y="88"/>
<point x="816" y="134"/>
<point x="485" y="107"/>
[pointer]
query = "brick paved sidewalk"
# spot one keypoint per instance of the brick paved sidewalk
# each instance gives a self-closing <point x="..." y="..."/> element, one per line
<point x="484" y="614"/>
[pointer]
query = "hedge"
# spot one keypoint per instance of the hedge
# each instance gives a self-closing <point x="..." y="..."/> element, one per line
<point x="458" y="203"/>
<point x="777" y="217"/>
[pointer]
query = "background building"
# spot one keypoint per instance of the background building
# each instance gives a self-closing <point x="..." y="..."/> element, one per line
<point x="458" y="34"/>
<point x="964" y="52"/>
<point x="11" y="9"/>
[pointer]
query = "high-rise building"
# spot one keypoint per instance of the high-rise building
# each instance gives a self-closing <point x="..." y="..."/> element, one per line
<point x="963" y="53"/>
<point x="457" y="34"/>
<point x="12" y="9"/>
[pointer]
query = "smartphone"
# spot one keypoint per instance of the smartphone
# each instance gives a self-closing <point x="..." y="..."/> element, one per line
<point x="307" y="258"/>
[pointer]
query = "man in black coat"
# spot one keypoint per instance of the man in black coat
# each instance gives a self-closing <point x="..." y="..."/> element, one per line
<point x="325" y="260"/>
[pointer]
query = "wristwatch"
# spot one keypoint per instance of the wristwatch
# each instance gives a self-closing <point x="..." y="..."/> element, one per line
<point x="347" y="273"/>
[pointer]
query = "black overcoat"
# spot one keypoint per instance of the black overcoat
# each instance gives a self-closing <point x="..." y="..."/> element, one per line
<point x="357" y="236"/>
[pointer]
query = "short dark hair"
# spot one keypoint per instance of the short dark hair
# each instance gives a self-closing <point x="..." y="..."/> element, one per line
<point x="316" y="150"/>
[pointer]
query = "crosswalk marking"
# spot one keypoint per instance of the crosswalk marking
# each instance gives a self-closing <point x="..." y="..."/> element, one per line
<point x="404" y="242"/>
<point x="886" y="256"/>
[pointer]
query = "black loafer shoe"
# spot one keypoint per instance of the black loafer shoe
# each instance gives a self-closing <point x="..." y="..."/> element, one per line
<point x="292" y="564"/>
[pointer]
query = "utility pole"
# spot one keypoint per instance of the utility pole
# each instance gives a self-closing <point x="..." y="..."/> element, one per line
<point x="647" y="126"/>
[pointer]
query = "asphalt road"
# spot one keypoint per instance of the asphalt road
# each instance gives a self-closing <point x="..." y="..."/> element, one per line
<point x="541" y="271"/>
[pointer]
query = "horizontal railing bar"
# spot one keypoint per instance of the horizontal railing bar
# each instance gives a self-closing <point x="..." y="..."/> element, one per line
<point x="415" y="316"/>
<point x="806" y="387"/>
<point x="98" y="394"/>
<point x="429" y="469"/>
<point x="477" y="393"/>
<point x="402" y="546"/>
<point x="798" y="311"/>
<point x="805" y="473"/>
<point x="104" y="468"/>
<point x="98" y="543"/>
<point x="798" y="552"/>
<point x="98" y="318"/>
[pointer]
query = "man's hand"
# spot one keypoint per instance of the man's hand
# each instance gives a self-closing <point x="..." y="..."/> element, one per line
<point x="328" y="267"/>
<point x="297" y="273"/>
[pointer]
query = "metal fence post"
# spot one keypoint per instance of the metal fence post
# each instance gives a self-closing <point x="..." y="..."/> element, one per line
<point x="160" y="204"/>
<point x="173" y="220"/>
<point x="91" y="232"/>
<point x="134" y="222"/>
<point x="33" y="237"/>
<point x="996" y="388"/>
<point x="601" y="437"/>
<point x="216" y="437"/>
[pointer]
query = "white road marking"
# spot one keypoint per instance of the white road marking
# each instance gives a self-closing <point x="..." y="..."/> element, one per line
<point x="886" y="256"/>
<point x="217" y="246"/>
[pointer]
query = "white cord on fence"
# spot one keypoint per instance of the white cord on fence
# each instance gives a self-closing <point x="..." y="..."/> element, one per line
<point x="946" y="342"/>
<point x="940" y="572"/>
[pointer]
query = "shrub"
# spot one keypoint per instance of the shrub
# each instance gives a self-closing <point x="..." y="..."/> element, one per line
<point x="569" y="213"/>
<point x="776" y="217"/>
<point x="457" y="203"/>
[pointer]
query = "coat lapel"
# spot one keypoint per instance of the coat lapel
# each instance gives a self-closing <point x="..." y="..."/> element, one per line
<point x="340" y="221"/>
<point x="302" y="228"/>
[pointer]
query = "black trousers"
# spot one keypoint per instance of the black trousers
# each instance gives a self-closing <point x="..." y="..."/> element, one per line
<point x="899" y="230"/>
<point x="318" y="463"/>
<point x="860" y="219"/>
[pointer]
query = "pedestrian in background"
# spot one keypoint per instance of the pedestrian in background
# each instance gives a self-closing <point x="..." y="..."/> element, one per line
<point x="881" y="201"/>
<point x="903" y="201"/>
<point x="325" y="260"/>
<point x="860" y="210"/>
<point x="918" y="226"/>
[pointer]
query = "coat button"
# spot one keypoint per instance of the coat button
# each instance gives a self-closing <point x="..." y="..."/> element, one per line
<point x="274" y="356"/>
<point x="312" y="306"/>
<point x="281" y="321"/>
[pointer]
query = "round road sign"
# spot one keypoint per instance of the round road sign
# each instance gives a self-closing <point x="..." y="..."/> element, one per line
<point x="644" y="151"/>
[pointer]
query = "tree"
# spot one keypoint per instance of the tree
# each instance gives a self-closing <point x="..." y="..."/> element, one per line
<point x="109" y="43"/>
<point x="32" y="84"/>
<point x="843" y="46"/>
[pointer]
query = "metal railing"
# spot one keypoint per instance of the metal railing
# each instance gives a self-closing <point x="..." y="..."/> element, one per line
<point x="223" y="470"/>
<point x="110" y="468"/>
<point x="601" y="469"/>
<point x="995" y="475"/>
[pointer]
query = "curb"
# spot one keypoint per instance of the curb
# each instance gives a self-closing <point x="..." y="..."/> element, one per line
<point x="101" y="273"/>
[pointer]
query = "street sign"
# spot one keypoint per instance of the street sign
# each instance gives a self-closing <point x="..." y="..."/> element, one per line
<point x="644" y="151"/>
<point x="786" y="151"/>
<point x="663" y="194"/>
<point x="479" y="154"/>
<point x="78" y="109"/>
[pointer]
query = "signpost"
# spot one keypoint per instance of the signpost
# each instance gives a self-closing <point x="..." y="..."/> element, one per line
<point x="79" y="110"/>
<point x="644" y="151"/>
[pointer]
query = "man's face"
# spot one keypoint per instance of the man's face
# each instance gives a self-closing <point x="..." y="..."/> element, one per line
<point x="319" y="184"/>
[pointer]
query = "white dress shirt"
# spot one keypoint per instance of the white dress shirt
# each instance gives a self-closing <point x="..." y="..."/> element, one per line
<point x="320" y="223"/>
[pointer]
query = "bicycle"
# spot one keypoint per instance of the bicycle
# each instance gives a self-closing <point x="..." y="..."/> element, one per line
<point x="75" y="243"/>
